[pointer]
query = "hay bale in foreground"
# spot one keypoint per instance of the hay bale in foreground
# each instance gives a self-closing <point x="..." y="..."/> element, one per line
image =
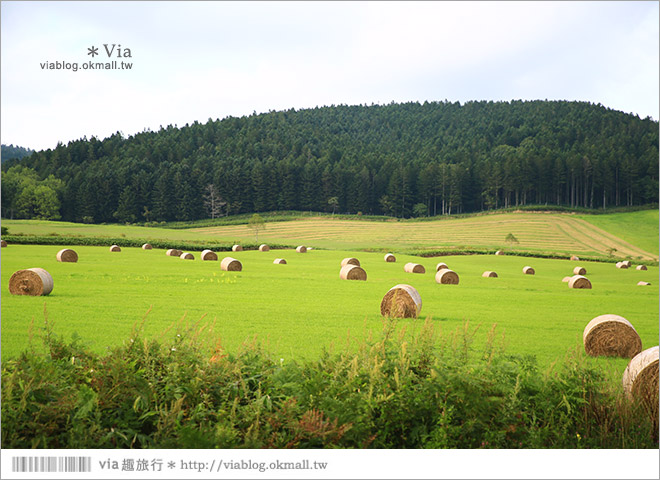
<point x="640" y="380"/>
<point x="115" y="248"/>
<point x="621" y="265"/>
<point x="264" y="248"/>
<point x="528" y="271"/>
<point x="446" y="277"/>
<point x="414" y="268"/>
<point x="230" y="264"/>
<point x="147" y="246"/>
<point x="489" y="274"/>
<point x="67" y="255"/>
<point x="187" y="256"/>
<point x="236" y="248"/>
<point x="401" y="301"/>
<point x="575" y="258"/>
<point x="352" y="272"/>
<point x="611" y="336"/>
<point x="279" y="261"/>
<point x="440" y="266"/>
<point x="350" y="261"/>
<point x="578" y="281"/>
<point x="301" y="249"/>
<point x="389" y="258"/>
<point x="32" y="281"/>
<point x="579" y="271"/>
<point x="641" y="267"/>
<point x="209" y="255"/>
<point x="640" y="284"/>
<point x="566" y="279"/>
<point x="3" y="243"/>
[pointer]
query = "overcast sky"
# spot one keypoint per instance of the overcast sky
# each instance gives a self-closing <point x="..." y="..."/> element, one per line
<point x="199" y="60"/>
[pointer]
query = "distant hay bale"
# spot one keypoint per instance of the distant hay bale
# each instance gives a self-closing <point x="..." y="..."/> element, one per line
<point x="3" y="243"/>
<point x="528" y="271"/>
<point x="499" y="252"/>
<point x="579" y="271"/>
<point x="173" y="252"/>
<point x="627" y="263"/>
<point x="209" y="255"/>
<point x="566" y="279"/>
<point x="414" y="268"/>
<point x="350" y="261"/>
<point x="230" y="264"/>
<point x="446" y="277"/>
<point x="389" y="258"/>
<point x="264" y="248"/>
<point x="32" y="281"/>
<point x="236" y="248"/>
<point x="641" y="267"/>
<point x="575" y="258"/>
<point x="489" y="274"/>
<point x="352" y="272"/>
<point x="147" y="246"/>
<point x="279" y="261"/>
<point x="115" y="248"/>
<point x="578" y="281"/>
<point x="440" y="266"/>
<point x="187" y="256"/>
<point x="640" y="284"/>
<point x="621" y="265"/>
<point x="640" y="380"/>
<point x="611" y="336"/>
<point x="301" y="249"/>
<point x="67" y="255"/>
<point x="401" y="301"/>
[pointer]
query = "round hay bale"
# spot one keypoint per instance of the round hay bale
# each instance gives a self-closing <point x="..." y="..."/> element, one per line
<point x="32" y="281"/>
<point x="640" y="380"/>
<point x="440" y="266"/>
<point x="528" y="271"/>
<point x="301" y="249"/>
<point x="611" y="336"/>
<point x="352" y="272"/>
<point x="115" y="248"/>
<point x="67" y="255"/>
<point x="640" y="284"/>
<point x="578" y="281"/>
<point x="621" y="265"/>
<point x="264" y="248"/>
<point x="279" y="261"/>
<point x="147" y="246"/>
<point x="209" y="255"/>
<point x="446" y="277"/>
<point x="414" y="268"/>
<point x="489" y="274"/>
<point x="230" y="264"/>
<point x="579" y="271"/>
<point x="641" y="267"/>
<point x="566" y="279"/>
<point x="401" y="301"/>
<point x="3" y="243"/>
<point x="236" y="248"/>
<point x="575" y="258"/>
<point x="173" y="252"/>
<point x="499" y="252"/>
<point x="350" y="261"/>
<point x="627" y="263"/>
<point x="389" y="258"/>
<point x="187" y="256"/>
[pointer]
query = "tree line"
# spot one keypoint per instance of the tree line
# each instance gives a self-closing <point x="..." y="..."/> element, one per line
<point x="407" y="159"/>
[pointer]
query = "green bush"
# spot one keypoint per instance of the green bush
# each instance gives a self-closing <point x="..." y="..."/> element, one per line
<point x="401" y="390"/>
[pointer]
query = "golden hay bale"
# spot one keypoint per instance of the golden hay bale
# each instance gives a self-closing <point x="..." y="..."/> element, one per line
<point x="640" y="380"/>
<point x="115" y="248"/>
<point x="414" y="268"/>
<point x="611" y="336"/>
<point x="32" y="281"/>
<point x="3" y="243"/>
<point x="147" y="246"/>
<point x="499" y="252"/>
<point x="187" y="256"/>
<point x="350" y="261"/>
<point x="236" y="248"/>
<point x="446" y="277"/>
<point x="440" y="266"/>
<point x="67" y="255"/>
<point x="389" y="258"/>
<point x="621" y="265"/>
<point x="401" y="301"/>
<point x="641" y="267"/>
<point x="352" y="272"/>
<point x="173" y="252"/>
<point x="209" y="255"/>
<point x="230" y="264"/>
<point x="575" y="258"/>
<point x="627" y="263"/>
<point x="279" y="261"/>
<point x="301" y="249"/>
<point x="578" y="281"/>
<point x="566" y="279"/>
<point x="264" y="248"/>
<point x="640" y="284"/>
<point x="489" y="274"/>
<point x="579" y="271"/>
<point x="528" y="271"/>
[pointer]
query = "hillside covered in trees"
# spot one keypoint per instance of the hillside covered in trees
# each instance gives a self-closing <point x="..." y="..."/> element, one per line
<point x="9" y="152"/>
<point x="403" y="160"/>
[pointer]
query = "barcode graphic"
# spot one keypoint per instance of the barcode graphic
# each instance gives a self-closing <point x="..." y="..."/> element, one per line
<point x="51" y="464"/>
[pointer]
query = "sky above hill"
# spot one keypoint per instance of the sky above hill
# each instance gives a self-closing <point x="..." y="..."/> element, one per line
<point x="199" y="60"/>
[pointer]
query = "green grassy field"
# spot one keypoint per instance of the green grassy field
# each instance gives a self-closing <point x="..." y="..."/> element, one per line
<point x="303" y="307"/>
<point x="639" y="228"/>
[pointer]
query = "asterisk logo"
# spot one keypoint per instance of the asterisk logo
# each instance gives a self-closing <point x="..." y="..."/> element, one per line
<point x="171" y="464"/>
<point x="93" y="51"/>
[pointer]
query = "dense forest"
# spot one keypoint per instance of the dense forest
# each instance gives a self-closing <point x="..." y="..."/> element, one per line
<point x="9" y="152"/>
<point x="403" y="160"/>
